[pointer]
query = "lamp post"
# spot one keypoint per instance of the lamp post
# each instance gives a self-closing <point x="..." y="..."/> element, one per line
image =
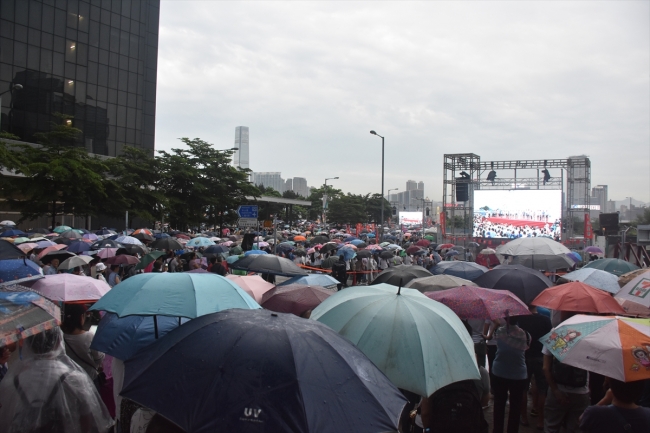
<point x="325" y="198"/>
<point x="630" y="208"/>
<point x="11" y="88"/>
<point x="382" y="183"/>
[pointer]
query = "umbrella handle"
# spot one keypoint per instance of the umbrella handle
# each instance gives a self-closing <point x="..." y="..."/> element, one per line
<point x="155" y="326"/>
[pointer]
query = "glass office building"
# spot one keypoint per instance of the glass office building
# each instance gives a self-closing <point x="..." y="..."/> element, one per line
<point x="95" y="60"/>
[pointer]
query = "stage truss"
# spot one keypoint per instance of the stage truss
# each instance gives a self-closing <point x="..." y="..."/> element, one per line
<point x="573" y="179"/>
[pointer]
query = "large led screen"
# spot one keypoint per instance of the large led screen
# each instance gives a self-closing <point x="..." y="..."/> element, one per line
<point x="517" y="213"/>
<point x="410" y="218"/>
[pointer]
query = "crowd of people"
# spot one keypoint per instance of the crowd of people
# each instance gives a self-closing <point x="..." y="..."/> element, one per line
<point x="485" y="227"/>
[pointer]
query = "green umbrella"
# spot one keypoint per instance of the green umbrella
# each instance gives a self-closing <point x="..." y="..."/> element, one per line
<point x="177" y="294"/>
<point x="420" y="344"/>
<point x="61" y="229"/>
<point x="236" y="251"/>
<point x="613" y="266"/>
<point x="429" y="238"/>
<point x="148" y="259"/>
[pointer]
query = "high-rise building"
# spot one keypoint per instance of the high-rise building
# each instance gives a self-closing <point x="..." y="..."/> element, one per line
<point x="268" y="179"/>
<point x="240" y="158"/>
<point x="288" y="185"/>
<point x="411" y="185"/>
<point x="421" y="185"/>
<point x="300" y="186"/>
<point x="93" y="60"/>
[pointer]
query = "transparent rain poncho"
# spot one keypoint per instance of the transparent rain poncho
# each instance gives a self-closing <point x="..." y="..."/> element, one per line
<point x="46" y="391"/>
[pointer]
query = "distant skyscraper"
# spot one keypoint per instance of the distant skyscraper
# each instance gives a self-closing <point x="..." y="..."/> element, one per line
<point x="421" y="186"/>
<point x="240" y="158"/>
<point x="300" y="186"/>
<point x="288" y="185"/>
<point x="411" y="185"/>
<point x="267" y="179"/>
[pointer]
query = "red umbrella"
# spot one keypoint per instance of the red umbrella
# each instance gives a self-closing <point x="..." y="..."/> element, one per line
<point x="123" y="259"/>
<point x="487" y="257"/>
<point x="182" y="236"/>
<point x="423" y="243"/>
<point x="412" y="250"/>
<point x="470" y="302"/>
<point x="295" y="298"/>
<point x="50" y="249"/>
<point x="444" y="246"/>
<point x="578" y="297"/>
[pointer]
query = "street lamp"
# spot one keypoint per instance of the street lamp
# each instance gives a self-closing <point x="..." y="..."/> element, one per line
<point x="325" y="198"/>
<point x="630" y="209"/>
<point x="382" y="183"/>
<point x="14" y="87"/>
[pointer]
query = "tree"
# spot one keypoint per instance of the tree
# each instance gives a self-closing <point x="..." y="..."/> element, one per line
<point x="348" y="209"/>
<point x="643" y="219"/>
<point x="373" y="206"/>
<point x="316" y="199"/>
<point x="58" y="176"/>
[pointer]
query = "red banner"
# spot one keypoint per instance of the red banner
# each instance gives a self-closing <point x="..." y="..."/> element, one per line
<point x="442" y="223"/>
<point x="359" y="228"/>
<point x="589" y="233"/>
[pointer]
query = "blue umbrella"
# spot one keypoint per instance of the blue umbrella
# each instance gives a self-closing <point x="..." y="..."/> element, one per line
<point x="104" y="232"/>
<point x="451" y="253"/>
<point x="356" y="242"/>
<point x="175" y="294"/>
<point x="574" y="256"/>
<point x="371" y="235"/>
<point x="466" y="270"/>
<point x="199" y="242"/>
<point x="123" y="337"/>
<point x="216" y="249"/>
<point x="239" y="369"/>
<point x="14" y="271"/>
<point x="160" y="235"/>
<point x="350" y="239"/>
<point x="12" y="233"/>
<point x="254" y="252"/>
<point x="322" y="280"/>
<point x="232" y="259"/>
<point x="347" y="253"/>
<point x="79" y="247"/>
<point x="595" y="278"/>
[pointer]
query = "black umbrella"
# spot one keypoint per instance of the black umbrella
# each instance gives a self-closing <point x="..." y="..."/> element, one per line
<point x="386" y="255"/>
<point x="362" y="245"/>
<point x="400" y="275"/>
<point x="327" y="248"/>
<point x="166" y="244"/>
<point x="143" y="236"/>
<point x="268" y="264"/>
<point x="105" y="243"/>
<point x="524" y="282"/>
<point x="132" y="249"/>
<point x="9" y="251"/>
<point x="262" y="371"/>
<point x="62" y="241"/>
<point x="320" y="239"/>
<point x="61" y="255"/>
<point x="466" y="270"/>
<point x="216" y="249"/>
<point x="364" y="254"/>
<point x="39" y="230"/>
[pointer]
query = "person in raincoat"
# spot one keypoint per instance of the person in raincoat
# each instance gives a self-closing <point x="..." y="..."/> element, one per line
<point x="46" y="391"/>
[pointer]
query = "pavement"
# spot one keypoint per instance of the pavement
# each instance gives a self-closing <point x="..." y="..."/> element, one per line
<point x="522" y="429"/>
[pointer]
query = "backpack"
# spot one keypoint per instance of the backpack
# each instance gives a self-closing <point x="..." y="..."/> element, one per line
<point x="52" y="420"/>
<point x="456" y="408"/>
<point x="567" y="375"/>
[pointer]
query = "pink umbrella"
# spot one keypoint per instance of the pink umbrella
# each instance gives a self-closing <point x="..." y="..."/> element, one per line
<point x="90" y="237"/>
<point x="262" y="244"/>
<point x="71" y="288"/>
<point x="470" y="302"/>
<point x="56" y="247"/>
<point x="227" y="243"/>
<point x="27" y="246"/>
<point x="295" y="298"/>
<point x="123" y="259"/>
<point x="374" y="247"/>
<point x="254" y="285"/>
<point x="311" y="251"/>
<point x="105" y="253"/>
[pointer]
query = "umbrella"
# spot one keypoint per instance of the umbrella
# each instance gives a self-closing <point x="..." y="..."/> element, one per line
<point x="23" y="314"/>
<point x="374" y="247"/>
<point x="636" y="290"/>
<point x="40" y="230"/>
<point x="105" y="243"/>
<point x="63" y="241"/>
<point x="470" y="302"/>
<point x="216" y="249"/>
<point x="177" y="294"/>
<point x="423" y="243"/>
<point x="329" y="262"/>
<point x="10" y="251"/>
<point x="299" y="239"/>
<point x="386" y="255"/>
<point x="320" y="239"/>
<point x="629" y="276"/>
<point x="123" y="259"/>
<point x="90" y="237"/>
<point x="400" y="275"/>
<point x="123" y="337"/>
<point x="199" y="242"/>
<point x="268" y="264"/>
<point x="11" y="233"/>
<point x="303" y="377"/>
<point x="616" y="347"/>
<point x="254" y="285"/>
<point x="364" y="254"/>
<point x="50" y="249"/>
<point x="613" y="266"/>
<point x="524" y="282"/>
<point x="594" y="277"/>
<point x="322" y="280"/>
<point x="537" y="253"/>
<point x="254" y="252"/>
<point x="143" y="236"/>
<point x="130" y="240"/>
<point x="166" y="244"/>
<point x="148" y="259"/>
<point x="444" y="246"/>
<point x="74" y="262"/>
<point x="487" y="257"/>
<point x="107" y="252"/>
<point x="577" y="258"/>
<point x="15" y="271"/>
<point x="132" y="250"/>
<point x="142" y="231"/>
<point x="594" y="250"/>
<point x="78" y="247"/>
<point x="413" y="250"/>
<point x="71" y="288"/>
<point x="25" y="248"/>
<point x="357" y="242"/>
<point x="421" y="345"/>
<point x="347" y="253"/>
<point x="104" y="232"/>
<point x="61" y="229"/>
<point x="452" y="253"/>
<point x="71" y="234"/>
<point x="579" y="297"/>
<point x="327" y="248"/>
<point x="437" y="282"/>
<point x="20" y="240"/>
<point x="60" y="255"/>
<point x="7" y="223"/>
<point x="236" y="250"/>
<point x="295" y="298"/>
<point x="232" y="259"/>
<point x="45" y="244"/>
<point x="466" y="270"/>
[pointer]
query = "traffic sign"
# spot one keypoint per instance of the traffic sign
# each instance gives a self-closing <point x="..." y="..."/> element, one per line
<point x="247" y="222"/>
<point x="268" y="224"/>
<point x="247" y="211"/>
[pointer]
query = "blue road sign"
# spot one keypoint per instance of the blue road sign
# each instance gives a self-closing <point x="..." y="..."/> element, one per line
<point x="247" y="211"/>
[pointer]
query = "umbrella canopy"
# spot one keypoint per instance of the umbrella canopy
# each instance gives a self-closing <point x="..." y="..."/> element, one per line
<point x="123" y="259"/>
<point x="71" y="288"/>
<point x="23" y="314"/>
<point x="71" y="234"/>
<point x="299" y="238"/>
<point x="174" y="294"/>
<point x="537" y="253"/>
<point x="149" y="258"/>
<point x="104" y="232"/>
<point x="10" y="251"/>
<point x="413" y="250"/>
<point x="61" y="229"/>
<point x="320" y="239"/>
<point x="364" y="254"/>
<point x="132" y="249"/>
<point x="15" y="271"/>
<point x="637" y="290"/>
<point x="47" y="250"/>
<point x="199" y="242"/>
<point x="128" y="240"/>
<point x="254" y="285"/>
<point x="107" y="252"/>
<point x="7" y="223"/>
<point x="465" y="270"/>
<point x="487" y="257"/>
<point x="105" y="243"/>
<point x="254" y="252"/>
<point x="347" y="253"/>
<point x="143" y="236"/>
<point x="421" y="345"/>
<point x="579" y="297"/>
<point x="470" y="302"/>
<point x="616" y="347"/>
<point x="216" y="249"/>
<point x="166" y="244"/>
<point x="74" y="262"/>
<point x="268" y="264"/>
<point x="444" y="246"/>
<point x="423" y="243"/>
<point x="123" y="337"/>
<point x="629" y="276"/>
<point x="303" y="377"/>
<point x="25" y="248"/>
<point x="90" y="236"/>
<point x="45" y="244"/>
<point x="594" y="277"/>
<point x="63" y="241"/>
<point x="59" y="255"/>
<point x="322" y="280"/>
<point x="434" y="283"/>
<point x="400" y="275"/>
<point x="594" y="250"/>
<point x="11" y="233"/>
<point x="613" y="266"/>
<point x="295" y="298"/>
<point x="78" y="247"/>
<point x="524" y="282"/>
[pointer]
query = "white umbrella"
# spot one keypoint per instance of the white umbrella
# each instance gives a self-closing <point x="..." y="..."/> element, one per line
<point x="637" y="290"/>
<point x="75" y="262"/>
<point x="7" y="223"/>
<point x="537" y="253"/>
<point x="128" y="240"/>
<point x="596" y="278"/>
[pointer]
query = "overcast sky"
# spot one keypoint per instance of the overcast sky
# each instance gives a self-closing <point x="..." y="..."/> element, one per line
<point x="505" y="80"/>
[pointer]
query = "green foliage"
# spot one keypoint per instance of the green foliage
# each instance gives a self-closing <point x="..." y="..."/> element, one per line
<point x="643" y="219"/>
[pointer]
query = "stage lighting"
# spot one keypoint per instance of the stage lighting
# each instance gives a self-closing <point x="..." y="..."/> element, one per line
<point x="464" y="175"/>
<point x="491" y="176"/>
<point x="547" y="176"/>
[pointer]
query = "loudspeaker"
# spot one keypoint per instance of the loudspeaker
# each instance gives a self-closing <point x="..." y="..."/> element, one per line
<point x="609" y="221"/>
<point x="462" y="189"/>
<point x="247" y="242"/>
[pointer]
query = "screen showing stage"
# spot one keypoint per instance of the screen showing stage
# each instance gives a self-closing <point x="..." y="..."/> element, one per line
<point x="517" y="213"/>
<point x="410" y="218"/>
